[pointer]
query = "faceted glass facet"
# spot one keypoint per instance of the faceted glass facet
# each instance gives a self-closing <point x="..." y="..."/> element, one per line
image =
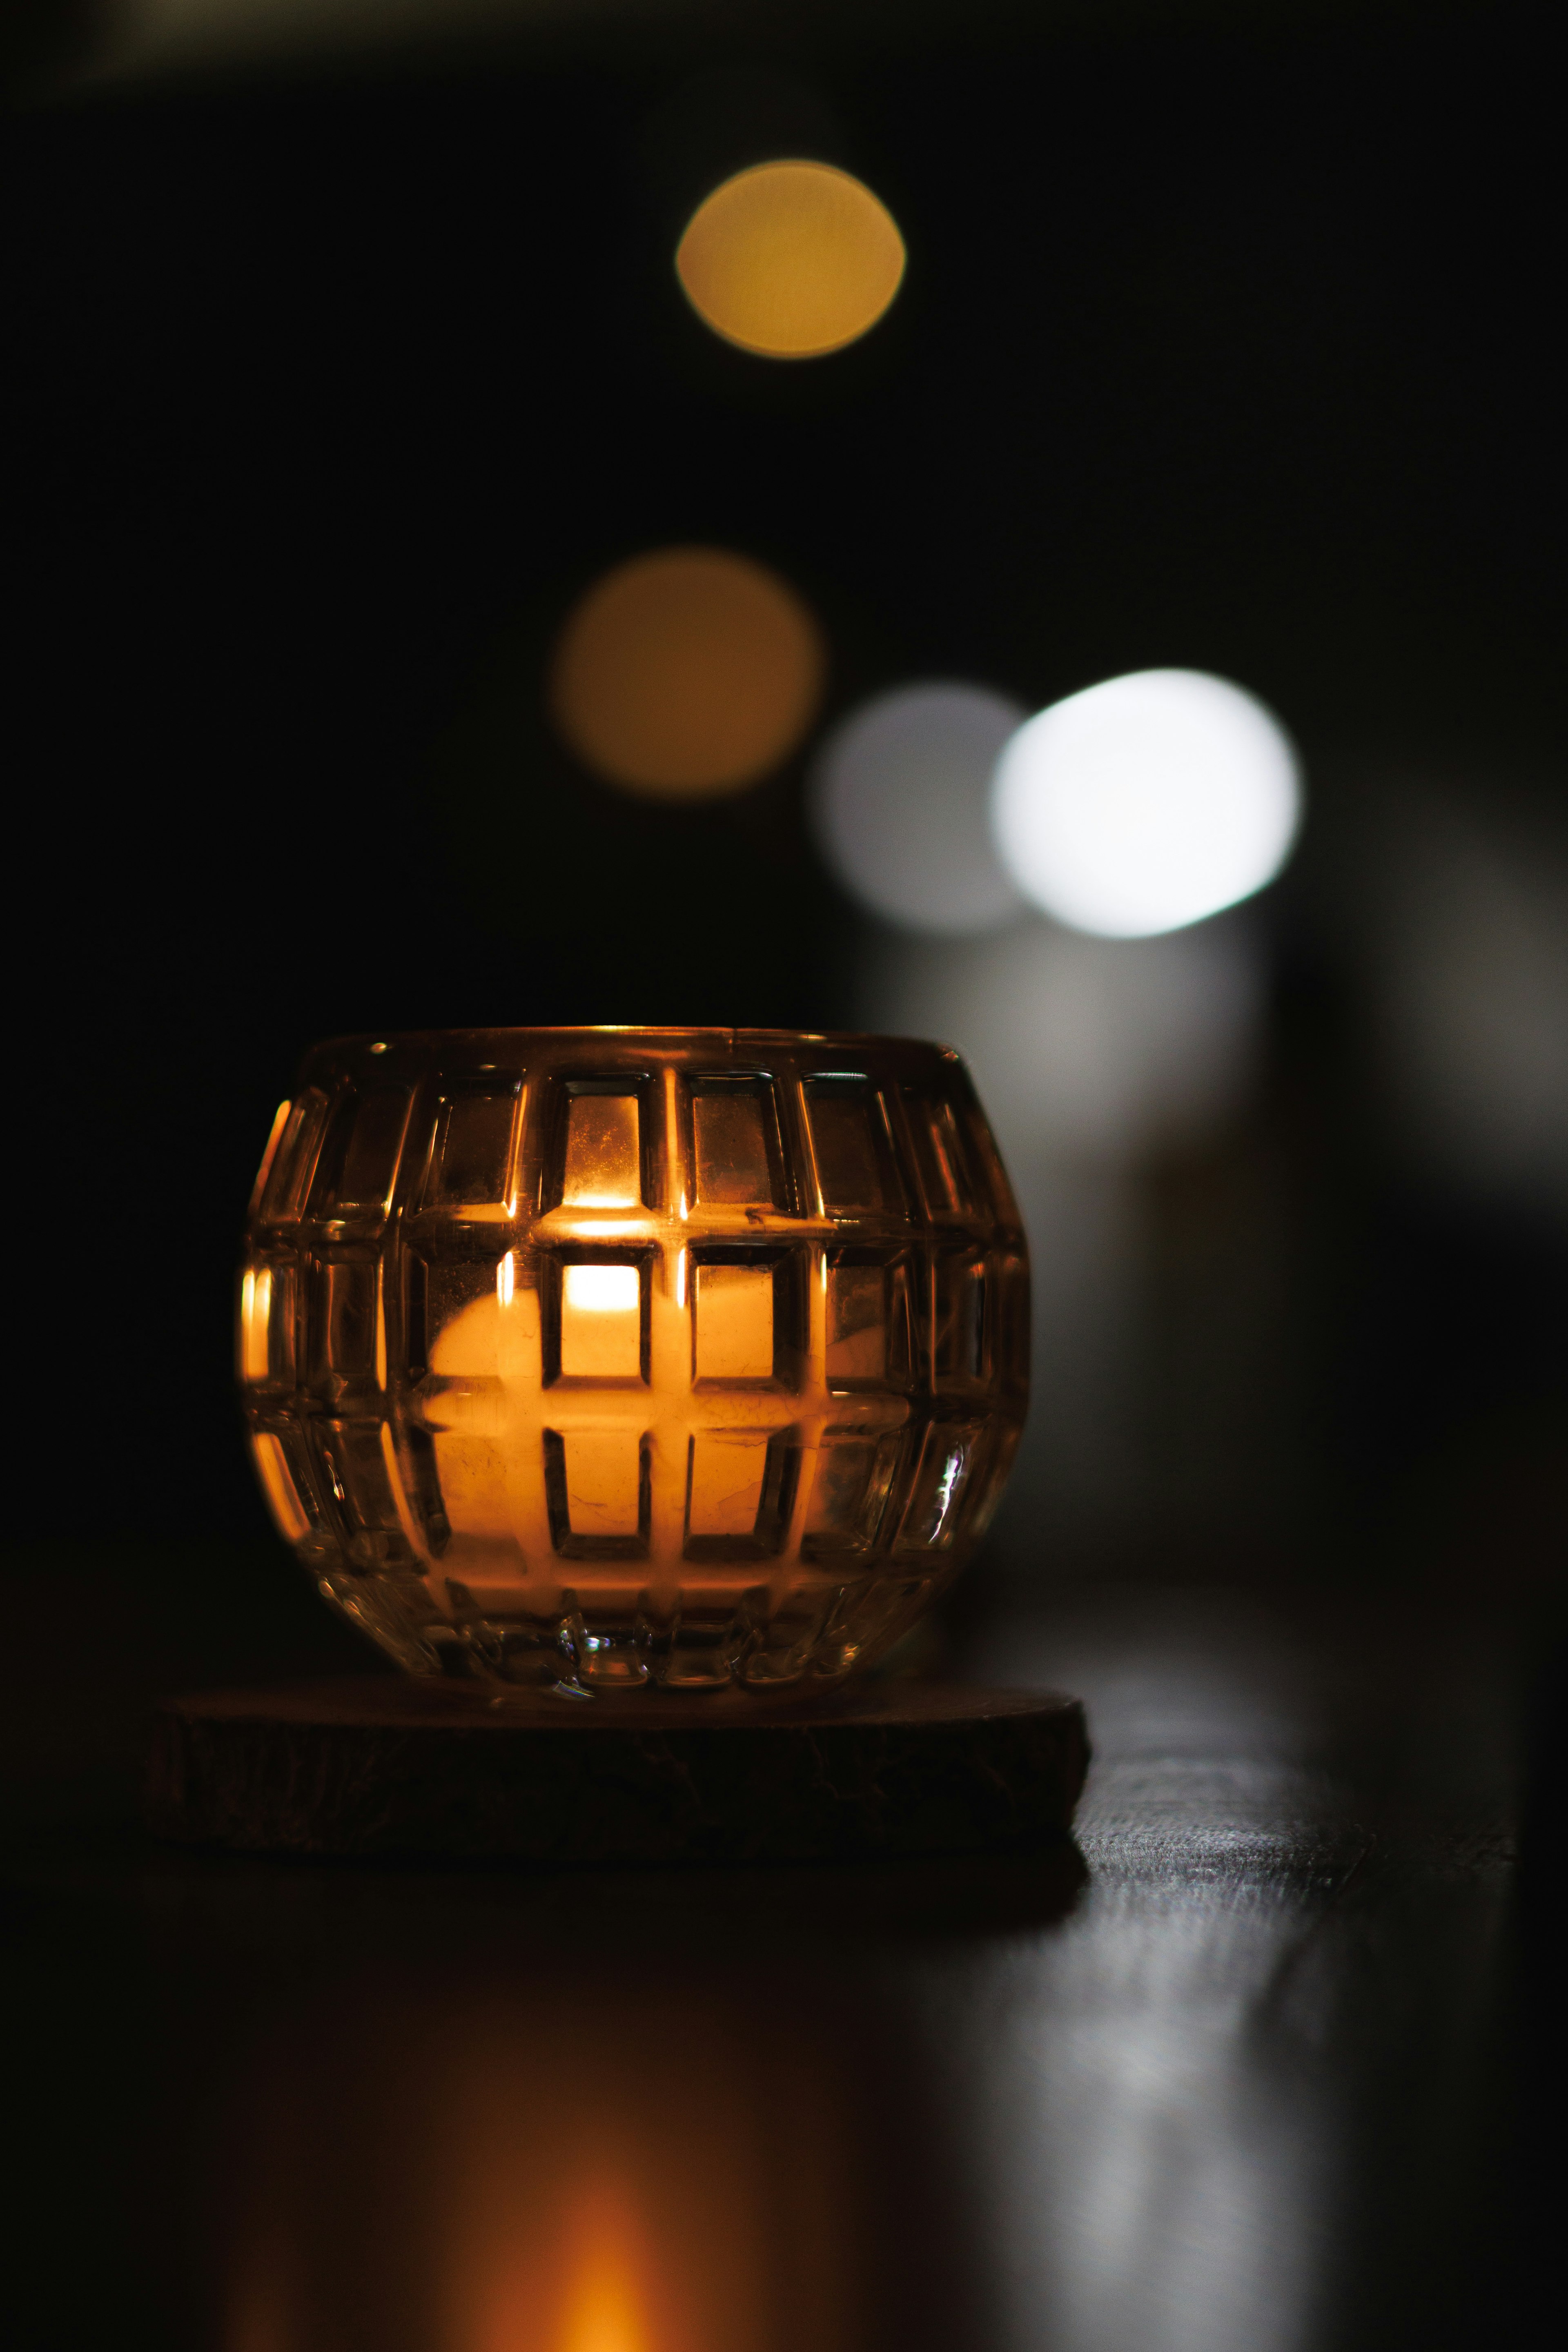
<point x="612" y="1359"/>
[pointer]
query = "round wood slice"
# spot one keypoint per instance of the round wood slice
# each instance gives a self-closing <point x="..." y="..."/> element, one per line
<point x="374" y="1766"/>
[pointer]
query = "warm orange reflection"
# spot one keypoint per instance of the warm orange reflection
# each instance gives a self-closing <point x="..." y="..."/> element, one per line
<point x="729" y="1127"/>
<point x="687" y="674"/>
<point x="606" y="2300"/>
<point x="279" y="1486"/>
<point x="595" y="2289"/>
<point x="856" y="1322"/>
<point x="689" y="2190"/>
<point x="734" y="1323"/>
<point x="601" y="1323"/>
<point x="790" y="259"/>
<point x="604" y="1483"/>
<point x="602" y="1156"/>
<point x="626" y="2170"/>
<point x="255" y="1323"/>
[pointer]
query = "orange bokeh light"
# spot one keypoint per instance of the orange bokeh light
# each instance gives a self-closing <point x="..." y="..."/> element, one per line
<point x="688" y="673"/>
<point x="790" y="259"/>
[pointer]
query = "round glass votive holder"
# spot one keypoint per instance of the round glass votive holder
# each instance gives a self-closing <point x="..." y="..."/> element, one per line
<point x="625" y="1360"/>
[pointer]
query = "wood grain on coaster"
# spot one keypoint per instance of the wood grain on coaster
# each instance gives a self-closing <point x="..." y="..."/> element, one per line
<point x="377" y="1767"/>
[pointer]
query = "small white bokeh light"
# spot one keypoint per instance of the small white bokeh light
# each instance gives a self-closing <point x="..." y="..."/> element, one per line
<point x="899" y="804"/>
<point x="1147" y="802"/>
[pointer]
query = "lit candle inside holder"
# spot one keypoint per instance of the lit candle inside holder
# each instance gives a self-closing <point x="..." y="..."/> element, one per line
<point x="603" y="1359"/>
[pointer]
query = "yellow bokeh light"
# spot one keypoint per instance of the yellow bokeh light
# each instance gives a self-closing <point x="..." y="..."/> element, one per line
<point x="687" y="673"/>
<point x="790" y="259"/>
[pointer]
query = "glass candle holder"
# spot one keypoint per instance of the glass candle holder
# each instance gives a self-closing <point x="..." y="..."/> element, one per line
<point x="619" y="1359"/>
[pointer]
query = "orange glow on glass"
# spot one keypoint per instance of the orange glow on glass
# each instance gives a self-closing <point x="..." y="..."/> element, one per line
<point x="603" y="1161"/>
<point x="734" y="1323"/>
<point x="736" y="1434"/>
<point x="255" y="1322"/>
<point x="280" y="1122"/>
<point x="279" y="1487"/>
<point x="601" y="1323"/>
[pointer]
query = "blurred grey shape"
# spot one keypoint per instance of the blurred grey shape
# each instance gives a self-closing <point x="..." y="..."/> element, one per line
<point x="1094" y="1057"/>
<point x="1085" y="1050"/>
<point x="1462" y="916"/>
<point x="899" y="804"/>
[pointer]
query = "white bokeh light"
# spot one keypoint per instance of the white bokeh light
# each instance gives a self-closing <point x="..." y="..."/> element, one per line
<point x="899" y="802"/>
<point x="1146" y="803"/>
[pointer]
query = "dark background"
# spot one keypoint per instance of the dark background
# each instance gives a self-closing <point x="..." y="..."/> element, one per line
<point x="323" y="391"/>
<point x="1230" y="339"/>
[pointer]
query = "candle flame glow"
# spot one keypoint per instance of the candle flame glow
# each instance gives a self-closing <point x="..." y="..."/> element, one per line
<point x="602" y="1289"/>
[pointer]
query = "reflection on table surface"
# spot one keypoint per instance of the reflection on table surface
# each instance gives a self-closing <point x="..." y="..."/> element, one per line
<point x="1226" y="2072"/>
<point x="496" y="2161"/>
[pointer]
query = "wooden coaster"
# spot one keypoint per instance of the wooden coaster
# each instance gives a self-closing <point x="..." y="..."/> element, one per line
<point x="387" y="1767"/>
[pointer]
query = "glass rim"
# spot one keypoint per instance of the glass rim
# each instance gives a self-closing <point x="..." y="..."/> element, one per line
<point x="364" y="1041"/>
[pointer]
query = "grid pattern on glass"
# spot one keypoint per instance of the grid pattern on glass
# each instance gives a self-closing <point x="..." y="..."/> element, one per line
<point x="725" y="1492"/>
<point x="254" y="1323"/>
<point x="415" y="1288"/>
<point x="303" y="1483"/>
<point x="460" y="1308"/>
<point x="596" y="1481"/>
<point x="266" y="1295"/>
<point x="735" y="1142"/>
<point x="602" y="1160"/>
<point x="732" y="1322"/>
<point x="294" y="1160"/>
<point x="414" y="1473"/>
<point x="470" y="1152"/>
<point x="766" y="1443"/>
<point x="278" y="1486"/>
<point x="946" y="1464"/>
<point x="263" y="1174"/>
<point x="601" y="1322"/>
<point x="357" y="1163"/>
<point x="939" y="1154"/>
<point x="787" y="1636"/>
<point x="740" y="1487"/>
<point x="711" y="1639"/>
<point x="342" y="1319"/>
<point x="849" y="1144"/>
<point x="959" y="1321"/>
<point x="352" y="1470"/>
<point x="857" y="1332"/>
<point x="375" y="1147"/>
<point x="852" y="1480"/>
<point x="1010" y="1322"/>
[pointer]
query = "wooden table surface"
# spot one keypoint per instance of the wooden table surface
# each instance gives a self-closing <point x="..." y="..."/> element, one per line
<point x="1255" y="2061"/>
